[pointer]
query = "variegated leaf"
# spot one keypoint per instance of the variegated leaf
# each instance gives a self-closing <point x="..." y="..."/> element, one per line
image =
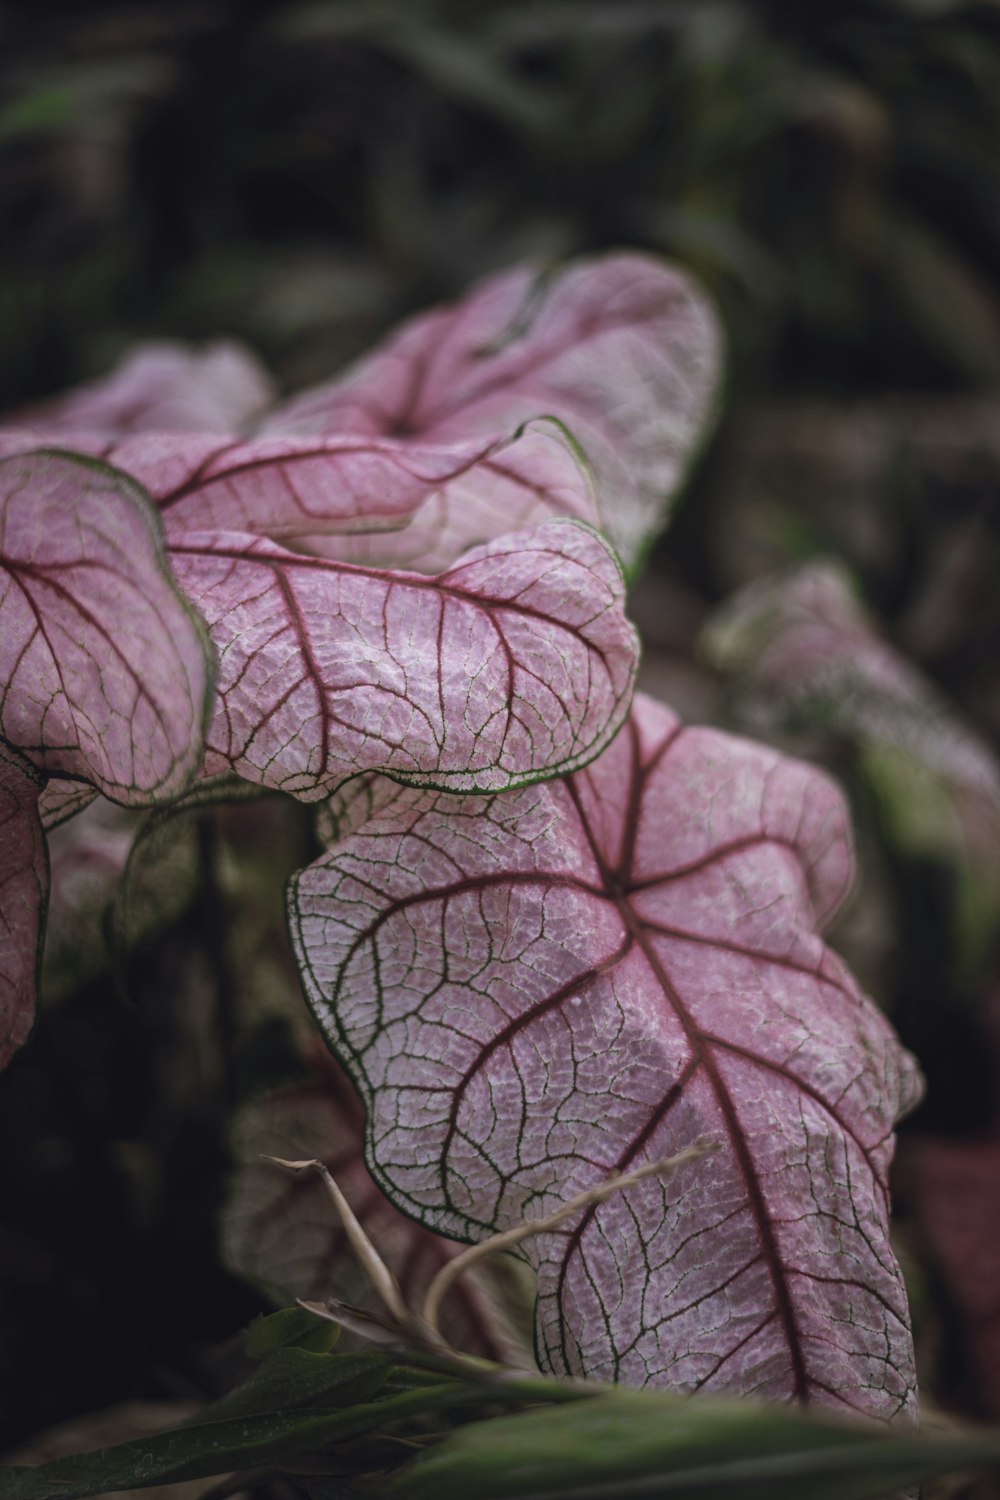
<point x="515" y="664"/>
<point x="624" y="350"/>
<point x="534" y="991"/>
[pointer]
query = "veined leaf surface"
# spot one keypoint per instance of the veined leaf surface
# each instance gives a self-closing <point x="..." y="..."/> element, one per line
<point x="104" y="669"/>
<point x="24" y="885"/>
<point x="282" y="1232"/>
<point x="624" y="350"/>
<point x="381" y="501"/>
<point x="533" y="991"/>
<point x="515" y="664"/>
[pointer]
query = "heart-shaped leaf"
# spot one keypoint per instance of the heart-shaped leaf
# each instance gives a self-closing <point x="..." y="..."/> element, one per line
<point x="533" y="991"/>
<point x="24" y="885"/>
<point x="516" y="663"/>
<point x="282" y="1232"/>
<point x="625" y="350"/>
<point x="160" y="387"/>
<point x="105" y="670"/>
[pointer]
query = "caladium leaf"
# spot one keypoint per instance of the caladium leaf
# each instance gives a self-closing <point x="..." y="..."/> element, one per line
<point x="338" y="495"/>
<point x="625" y="350"/>
<point x="105" y="670"/>
<point x="24" y="885"/>
<point x="380" y="501"/>
<point x="160" y="387"/>
<point x="535" y="990"/>
<point x="807" y="659"/>
<point x="281" y="1232"/>
<point x="516" y="663"/>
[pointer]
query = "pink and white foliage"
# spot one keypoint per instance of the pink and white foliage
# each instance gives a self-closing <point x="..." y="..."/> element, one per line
<point x="24" y="885"/>
<point x="281" y="1231"/>
<point x="623" y="349"/>
<point x="514" y="664"/>
<point x="159" y="387"/>
<point x="535" y="990"/>
<point x="351" y="498"/>
<point x="104" y="668"/>
<point x="412" y="456"/>
<point x="808" y="657"/>
<point x="104" y="678"/>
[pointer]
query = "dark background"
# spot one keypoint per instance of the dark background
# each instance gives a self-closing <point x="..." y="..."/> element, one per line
<point x="299" y="177"/>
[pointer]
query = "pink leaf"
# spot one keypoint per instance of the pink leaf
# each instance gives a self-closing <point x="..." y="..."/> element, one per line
<point x="809" y="658"/>
<point x="104" y="668"/>
<point x="515" y="663"/>
<point x="339" y="495"/>
<point x="282" y="1231"/>
<point x="159" y="387"/>
<point x="378" y="501"/>
<point x="532" y="991"/>
<point x="624" y="350"/>
<point x="24" y="883"/>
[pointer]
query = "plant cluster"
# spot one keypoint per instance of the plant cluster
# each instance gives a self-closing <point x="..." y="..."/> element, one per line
<point x="554" y="936"/>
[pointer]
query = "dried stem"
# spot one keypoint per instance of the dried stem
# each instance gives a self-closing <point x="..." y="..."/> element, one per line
<point x="371" y="1262"/>
<point x="421" y="1329"/>
<point x="508" y="1238"/>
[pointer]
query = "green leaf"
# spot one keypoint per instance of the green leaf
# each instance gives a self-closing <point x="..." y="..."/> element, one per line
<point x="291" y="1326"/>
<point x="280" y="1442"/>
<point x="287" y="1379"/>
<point x="645" y="1443"/>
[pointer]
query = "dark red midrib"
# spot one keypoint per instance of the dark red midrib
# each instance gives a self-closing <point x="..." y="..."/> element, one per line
<point x="768" y="1066"/>
<point x="618" y="884"/>
<point x="346" y="445"/>
<point x="594" y="325"/>
<point x="755" y="1195"/>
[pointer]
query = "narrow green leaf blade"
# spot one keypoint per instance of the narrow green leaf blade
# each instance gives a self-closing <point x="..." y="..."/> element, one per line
<point x="639" y="1443"/>
<point x="289" y="1379"/>
<point x="271" y="1441"/>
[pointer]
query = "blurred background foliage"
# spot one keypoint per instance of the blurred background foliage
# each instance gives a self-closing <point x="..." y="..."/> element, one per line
<point x="299" y="176"/>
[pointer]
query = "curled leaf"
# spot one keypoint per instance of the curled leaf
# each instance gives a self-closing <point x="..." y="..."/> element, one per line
<point x="104" y="669"/>
<point x="516" y="663"/>
<point x="624" y="350"/>
<point x="24" y="884"/>
<point x="534" y="991"/>
<point x="339" y="495"/>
